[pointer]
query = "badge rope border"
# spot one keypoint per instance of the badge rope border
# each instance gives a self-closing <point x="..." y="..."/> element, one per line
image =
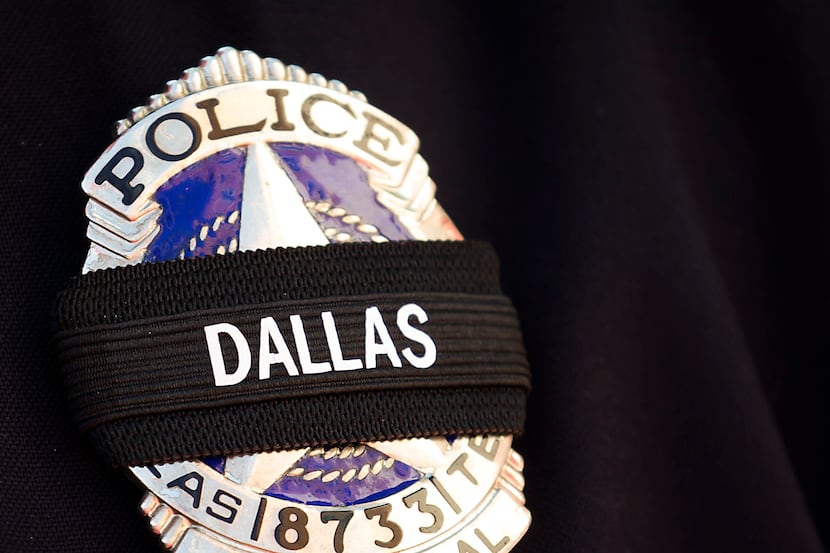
<point x="468" y="497"/>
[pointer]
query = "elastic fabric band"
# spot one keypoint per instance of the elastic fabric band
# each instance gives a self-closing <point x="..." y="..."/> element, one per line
<point x="291" y="347"/>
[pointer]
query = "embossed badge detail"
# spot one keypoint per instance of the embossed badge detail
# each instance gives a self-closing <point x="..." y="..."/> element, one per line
<point x="245" y="153"/>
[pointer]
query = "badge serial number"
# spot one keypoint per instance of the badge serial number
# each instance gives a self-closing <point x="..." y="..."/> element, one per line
<point x="457" y="498"/>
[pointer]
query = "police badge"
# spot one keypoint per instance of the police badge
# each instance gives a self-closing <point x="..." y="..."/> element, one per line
<point x="283" y="335"/>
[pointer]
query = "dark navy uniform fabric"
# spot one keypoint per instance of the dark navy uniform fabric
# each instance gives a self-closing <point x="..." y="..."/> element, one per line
<point x="654" y="177"/>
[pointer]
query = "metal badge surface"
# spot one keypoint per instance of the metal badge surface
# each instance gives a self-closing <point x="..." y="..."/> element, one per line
<point x="244" y="153"/>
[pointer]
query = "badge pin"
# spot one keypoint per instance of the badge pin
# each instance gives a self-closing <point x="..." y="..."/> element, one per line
<point x="245" y="153"/>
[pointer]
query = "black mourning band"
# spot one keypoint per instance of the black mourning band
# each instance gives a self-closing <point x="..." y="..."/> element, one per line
<point x="292" y="347"/>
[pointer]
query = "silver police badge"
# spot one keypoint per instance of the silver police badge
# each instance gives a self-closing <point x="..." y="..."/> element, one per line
<point x="245" y="153"/>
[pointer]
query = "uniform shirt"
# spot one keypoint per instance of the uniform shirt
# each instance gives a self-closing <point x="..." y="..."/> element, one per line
<point x="653" y="177"/>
